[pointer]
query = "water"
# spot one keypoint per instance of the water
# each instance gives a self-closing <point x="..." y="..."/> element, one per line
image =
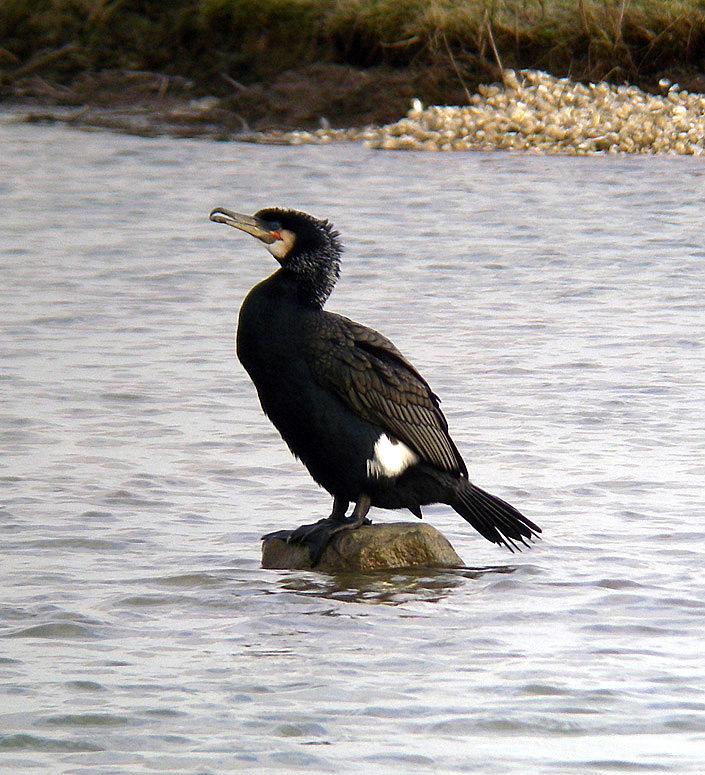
<point x="556" y="304"/>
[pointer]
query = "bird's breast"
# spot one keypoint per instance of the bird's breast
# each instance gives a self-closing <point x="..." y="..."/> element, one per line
<point x="267" y="332"/>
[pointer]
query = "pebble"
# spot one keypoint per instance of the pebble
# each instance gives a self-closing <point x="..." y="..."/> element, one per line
<point x="534" y="111"/>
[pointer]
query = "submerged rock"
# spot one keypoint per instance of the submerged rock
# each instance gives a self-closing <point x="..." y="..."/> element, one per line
<point x="370" y="547"/>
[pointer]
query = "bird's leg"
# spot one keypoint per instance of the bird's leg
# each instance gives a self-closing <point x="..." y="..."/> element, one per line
<point x="316" y="536"/>
<point x="337" y="521"/>
<point x="358" y="518"/>
<point x="340" y="507"/>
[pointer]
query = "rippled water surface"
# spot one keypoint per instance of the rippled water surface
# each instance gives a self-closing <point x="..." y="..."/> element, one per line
<point x="557" y="306"/>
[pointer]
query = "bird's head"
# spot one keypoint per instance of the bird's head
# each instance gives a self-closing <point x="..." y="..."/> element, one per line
<point x="304" y="246"/>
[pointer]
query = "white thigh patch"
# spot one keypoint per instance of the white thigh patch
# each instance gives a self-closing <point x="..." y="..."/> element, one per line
<point x="391" y="457"/>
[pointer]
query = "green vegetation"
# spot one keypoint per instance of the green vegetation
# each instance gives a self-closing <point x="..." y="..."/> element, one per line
<point x="218" y="42"/>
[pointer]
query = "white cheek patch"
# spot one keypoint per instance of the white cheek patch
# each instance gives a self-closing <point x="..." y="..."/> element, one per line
<point x="281" y="247"/>
<point x="391" y="457"/>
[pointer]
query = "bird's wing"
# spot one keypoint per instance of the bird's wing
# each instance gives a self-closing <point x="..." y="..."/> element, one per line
<point x="375" y="380"/>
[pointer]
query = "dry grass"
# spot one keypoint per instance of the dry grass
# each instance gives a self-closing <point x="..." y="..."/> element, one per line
<point x="585" y="38"/>
<point x="248" y="40"/>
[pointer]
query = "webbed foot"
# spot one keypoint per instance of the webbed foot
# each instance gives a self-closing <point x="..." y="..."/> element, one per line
<point x="315" y="537"/>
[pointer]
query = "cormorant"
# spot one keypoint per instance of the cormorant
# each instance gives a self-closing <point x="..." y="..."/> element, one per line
<point x="360" y="417"/>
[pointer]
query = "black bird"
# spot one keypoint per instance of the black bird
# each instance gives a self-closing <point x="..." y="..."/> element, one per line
<point x="360" y="417"/>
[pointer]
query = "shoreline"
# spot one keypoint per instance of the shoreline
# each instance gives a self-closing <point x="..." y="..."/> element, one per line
<point x="320" y="70"/>
<point x="528" y="110"/>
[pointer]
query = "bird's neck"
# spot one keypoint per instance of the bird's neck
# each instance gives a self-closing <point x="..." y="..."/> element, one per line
<point x="282" y="285"/>
<point x="285" y="287"/>
<point x="314" y="273"/>
<point x="273" y="305"/>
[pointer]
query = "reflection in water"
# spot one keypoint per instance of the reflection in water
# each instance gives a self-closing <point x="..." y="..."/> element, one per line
<point x="389" y="587"/>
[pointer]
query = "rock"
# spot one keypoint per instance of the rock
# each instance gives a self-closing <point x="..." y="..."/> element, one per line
<point x="370" y="547"/>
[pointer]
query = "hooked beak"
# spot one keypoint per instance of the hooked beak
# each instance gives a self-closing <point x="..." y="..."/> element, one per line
<point x="247" y="223"/>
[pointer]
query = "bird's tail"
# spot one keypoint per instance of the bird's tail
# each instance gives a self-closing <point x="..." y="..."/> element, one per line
<point x="492" y="517"/>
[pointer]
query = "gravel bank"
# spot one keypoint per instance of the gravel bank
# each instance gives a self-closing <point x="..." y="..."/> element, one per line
<point x="534" y="111"/>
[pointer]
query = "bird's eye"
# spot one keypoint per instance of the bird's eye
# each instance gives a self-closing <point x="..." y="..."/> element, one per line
<point x="275" y="226"/>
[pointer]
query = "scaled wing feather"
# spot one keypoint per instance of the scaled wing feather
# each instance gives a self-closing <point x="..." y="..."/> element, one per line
<point x="375" y="380"/>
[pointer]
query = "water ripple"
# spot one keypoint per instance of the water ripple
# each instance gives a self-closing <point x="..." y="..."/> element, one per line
<point x="556" y="306"/>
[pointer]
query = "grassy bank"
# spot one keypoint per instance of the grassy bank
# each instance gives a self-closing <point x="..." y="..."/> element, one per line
<point x="446" y="46"/>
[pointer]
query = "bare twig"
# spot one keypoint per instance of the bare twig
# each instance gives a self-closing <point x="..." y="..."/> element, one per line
<point x="233" y="82"/>
<point x="36" y="86"/>
<point x="455" y="67"/>
<point x="43" y="58"/>
<point x="163" y="86"/>
<point x="656" y="39"/>
<point x="619" y="23"/>
<point x="494" y="47"/>
<point x="583" y="17"/>
<point x="401" y="43"/>
<point x="8" y="56"/>
<point x="619" y="42"/>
